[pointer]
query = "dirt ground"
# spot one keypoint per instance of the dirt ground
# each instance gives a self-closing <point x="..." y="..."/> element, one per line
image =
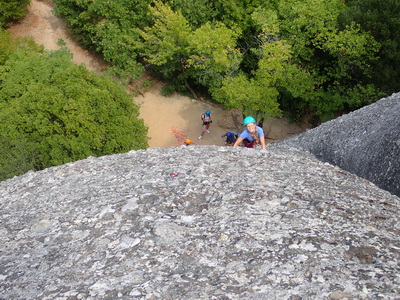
<point x="171" y="120"/>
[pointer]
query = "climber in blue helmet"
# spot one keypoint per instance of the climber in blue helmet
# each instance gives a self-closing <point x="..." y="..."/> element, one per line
<point x="206" y="119"/>
<point x="252" y="136"/>
<point x="231" y="137"/>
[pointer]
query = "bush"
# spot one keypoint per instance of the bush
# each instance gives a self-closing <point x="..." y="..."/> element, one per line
<point x="61" y="112"/>
<point x="11" y="10"/>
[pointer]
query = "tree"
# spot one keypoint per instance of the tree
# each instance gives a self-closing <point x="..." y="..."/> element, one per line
<point x="61" y="112"/>
<point x="119" y="46"/>
<point x="232" y="13"/>
<point x="195" y="12"/>
<point x="258" y="94"/>
<point x="314" y="65"/>
<point x="204" y="55"/>
<point x="109" y="28"/>
<point x="6" y="45"/>
<point x="212" y="54"/>
<point x="9" y="46"/>
<point x="11" y="10"/>
<point x="249" y="96"/>
<point x="166" y="43"/>
<point x="380" y="18"/>
<point x="337" y="60"/>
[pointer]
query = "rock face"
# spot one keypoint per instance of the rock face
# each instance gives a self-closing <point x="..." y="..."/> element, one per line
<point x="365" y="142"/>
<point x="198" y="223"/>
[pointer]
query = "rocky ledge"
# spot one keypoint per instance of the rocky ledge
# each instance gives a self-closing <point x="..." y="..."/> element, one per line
<point x="198" y="223"/>
<point x="365" y="142"/>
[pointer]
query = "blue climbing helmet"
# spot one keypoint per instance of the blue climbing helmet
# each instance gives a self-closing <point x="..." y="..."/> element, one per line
<point x="248" y="120"/>
<point x="208" y="112"/>
<point x="229" y="134"/>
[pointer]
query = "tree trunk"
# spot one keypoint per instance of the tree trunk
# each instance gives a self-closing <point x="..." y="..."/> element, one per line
<point x="191" y="90"/>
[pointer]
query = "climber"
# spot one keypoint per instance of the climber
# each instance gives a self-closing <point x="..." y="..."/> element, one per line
<point x="252" y="136"/>
<point x="206" y="118"/>
<point x="231" y="137"/>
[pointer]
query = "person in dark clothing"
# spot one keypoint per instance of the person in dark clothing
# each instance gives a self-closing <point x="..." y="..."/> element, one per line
<point x="231" y="138"/>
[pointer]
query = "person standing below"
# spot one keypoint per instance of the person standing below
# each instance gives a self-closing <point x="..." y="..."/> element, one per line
<point x="252" y="136"/>
<point x="206" y="118"/>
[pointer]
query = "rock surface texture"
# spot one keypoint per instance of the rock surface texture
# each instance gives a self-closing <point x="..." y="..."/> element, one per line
<point x="201" y="222"/>
<point x="365" y="142"/>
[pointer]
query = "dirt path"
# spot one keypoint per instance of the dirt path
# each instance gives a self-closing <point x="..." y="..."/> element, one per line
<point x="170" y="119"/>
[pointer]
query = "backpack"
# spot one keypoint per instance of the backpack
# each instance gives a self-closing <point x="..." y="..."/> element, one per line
<point x="235" y="134"/>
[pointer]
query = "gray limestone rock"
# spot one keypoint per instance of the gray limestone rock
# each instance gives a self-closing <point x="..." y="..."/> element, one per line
<point x="365" y="142"/>
<point x="198" y="223"/>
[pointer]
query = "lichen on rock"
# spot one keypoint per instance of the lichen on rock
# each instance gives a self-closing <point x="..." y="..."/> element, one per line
<point x="276" y="224"/>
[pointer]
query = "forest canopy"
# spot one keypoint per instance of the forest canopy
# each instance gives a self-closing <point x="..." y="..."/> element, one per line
<point x="381" y="19"/>
<point x="262" y="57"/>
<point x="11" y="10"/>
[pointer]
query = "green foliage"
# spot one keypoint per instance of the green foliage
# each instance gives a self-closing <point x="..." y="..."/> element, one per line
<point x="213" y="54"/>
<point x="258" y="94"/>
<point x="119" y="46"/>
<point x="168" y="38"/>
<point x="16" y="157"/>
<point x="6" y="45"/>
<point x="81" y="18"/>
<point x="330" y="61"/>
<point x="195" y="12"/>
<point x="61" y="112"/>
<point x="248" y="96"/>
<point x="61" y="43"/>
<point x="235" y="13"/>
<point x="167" y="90"/>
<point x="295" y="53"/>
<point x="232" y="13"/>
<point x="108" y="27"/>
<point x="11" y="10"/>
<point x="165" y="44"/>
<point x="381" y="19"/>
